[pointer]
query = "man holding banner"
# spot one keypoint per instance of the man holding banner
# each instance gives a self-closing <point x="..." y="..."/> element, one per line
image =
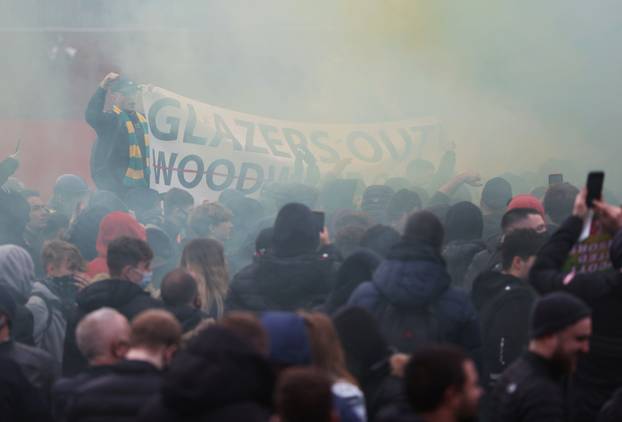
<point x="120" y="156"/>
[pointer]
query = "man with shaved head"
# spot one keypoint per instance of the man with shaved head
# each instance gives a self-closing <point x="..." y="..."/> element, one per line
<point x="103" y="337"/>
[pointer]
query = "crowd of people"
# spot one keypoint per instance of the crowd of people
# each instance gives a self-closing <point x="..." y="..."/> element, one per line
<point x="410" y="302"/>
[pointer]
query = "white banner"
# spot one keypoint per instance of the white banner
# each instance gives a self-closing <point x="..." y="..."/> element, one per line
<point x="206" y="149"/>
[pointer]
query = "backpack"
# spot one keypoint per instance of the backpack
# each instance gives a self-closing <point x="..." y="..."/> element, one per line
<point x="64" y="302"/>
<point x="505" y="329"/>
<point x="407" y="329"/>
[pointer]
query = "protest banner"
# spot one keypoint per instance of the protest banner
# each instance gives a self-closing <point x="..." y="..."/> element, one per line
<point x="206" y="149"/>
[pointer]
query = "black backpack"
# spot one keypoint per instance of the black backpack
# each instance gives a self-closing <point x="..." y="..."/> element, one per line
<point x="407" y="329"/>
<point x="505" y="329"/>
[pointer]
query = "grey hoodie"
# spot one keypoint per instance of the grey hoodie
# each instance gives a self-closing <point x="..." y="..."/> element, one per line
<point x="17" y="271"/>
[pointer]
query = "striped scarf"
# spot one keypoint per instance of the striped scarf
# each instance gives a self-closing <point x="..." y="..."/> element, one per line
<point x="138" y="172"/>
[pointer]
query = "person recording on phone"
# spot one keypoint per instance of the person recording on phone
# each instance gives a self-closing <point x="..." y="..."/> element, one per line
<point x="599" y="373"/>
<point x="120" y="156"/>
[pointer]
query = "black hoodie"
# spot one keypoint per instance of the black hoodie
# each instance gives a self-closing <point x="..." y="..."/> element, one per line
<point x="294" y="275"/>
<point x="218" y="378"/>
<point x="124" y="296"/>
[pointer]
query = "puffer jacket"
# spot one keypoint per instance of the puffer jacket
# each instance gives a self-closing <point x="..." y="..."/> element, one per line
<point x="283" y="283"/>
<point x="414" y="277"/>
<point x="218" y="378"/>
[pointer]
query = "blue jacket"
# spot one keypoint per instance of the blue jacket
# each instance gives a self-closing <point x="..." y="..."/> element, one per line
<point x="413" y="276"/>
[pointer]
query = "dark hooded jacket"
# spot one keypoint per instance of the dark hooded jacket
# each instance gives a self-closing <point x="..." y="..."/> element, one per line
<point x="117" y="396"/>
<point x="38" y="366"/>
<point x="124" y="296"/>
<point x="463" y="227"/>
<point x="19" y="400"/>
<point x="532" y="389"/>
<point x="414" y="277"/>
<point x="598" y="373"/>
<point x="188" y="316"/>
<point x="356" y="269"/>
<point x="293" y="275"/>
<point x="218" y="378"/>
<point x="110" y="155"/>
<point x="368" y="359"/>
<point x="459" y="255"/>
<point x="489" y="284"/>
<point x="65" y="389"/>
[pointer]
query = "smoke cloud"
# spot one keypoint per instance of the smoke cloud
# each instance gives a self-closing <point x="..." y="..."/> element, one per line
<point x="519" y="86"/>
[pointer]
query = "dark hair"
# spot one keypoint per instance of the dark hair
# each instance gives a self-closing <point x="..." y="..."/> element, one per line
<point x="404" y="201"/>
<point x="178" y="288"/>
<point x="304" y="395"/>
<point x="423" y="226"/>
<point x="430" y="372"/>
<point x="127" y="251"/>
<point x="515" y="215"/>
<point x="176" y="198"/>
<point x="464" y="221"/>
<point x="362" y="341"/>
<point x="522" y="243"/>
<point x="380" y="239"/>
<point x="559" y="200"/>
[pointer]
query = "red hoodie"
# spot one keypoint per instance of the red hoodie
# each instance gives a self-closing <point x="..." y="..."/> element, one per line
<point x="113" y="226"/>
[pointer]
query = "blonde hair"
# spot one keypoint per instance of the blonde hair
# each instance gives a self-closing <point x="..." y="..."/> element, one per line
<point x="57" y="252"/>
<point x="205" y="259"/>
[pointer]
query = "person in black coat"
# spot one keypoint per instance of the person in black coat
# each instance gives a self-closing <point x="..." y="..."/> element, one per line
<point x="19" y="400"/>
<point x="533" y="388"/>
<point x="518" y="254"/>
<point x="356" y="269"/>
<point x="121" y="394"/>
<point x="413" y="280"/>
<point x="489" y="259"/>
<point x="496" y="195"/>
<point x="295" y="274"/>
<point x="230" y="381"/>
<point x="38" y="366"/>
<point x="463" y="226"/>
<point x="180" y="296"/>
<point x="128" y="261"/>
<point x="368" y="358"/>
<point x="599" y="374"/>
<point x="103" y="337"/>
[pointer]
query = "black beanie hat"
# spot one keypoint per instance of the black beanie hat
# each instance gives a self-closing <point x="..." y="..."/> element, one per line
<point x="556" y="311"/>
<point x="463" y="221"/>
<point x="497" y="193"/>
<point x="295" y="231"/>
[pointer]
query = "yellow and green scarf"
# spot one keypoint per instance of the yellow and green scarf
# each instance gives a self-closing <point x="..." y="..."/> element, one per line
<point x="138" y="172"/>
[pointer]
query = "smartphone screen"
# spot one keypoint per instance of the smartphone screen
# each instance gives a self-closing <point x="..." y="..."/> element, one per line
<point x="318" y="216"/>
<point x="594" y="186"/>
<point x="556" y="179"/>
